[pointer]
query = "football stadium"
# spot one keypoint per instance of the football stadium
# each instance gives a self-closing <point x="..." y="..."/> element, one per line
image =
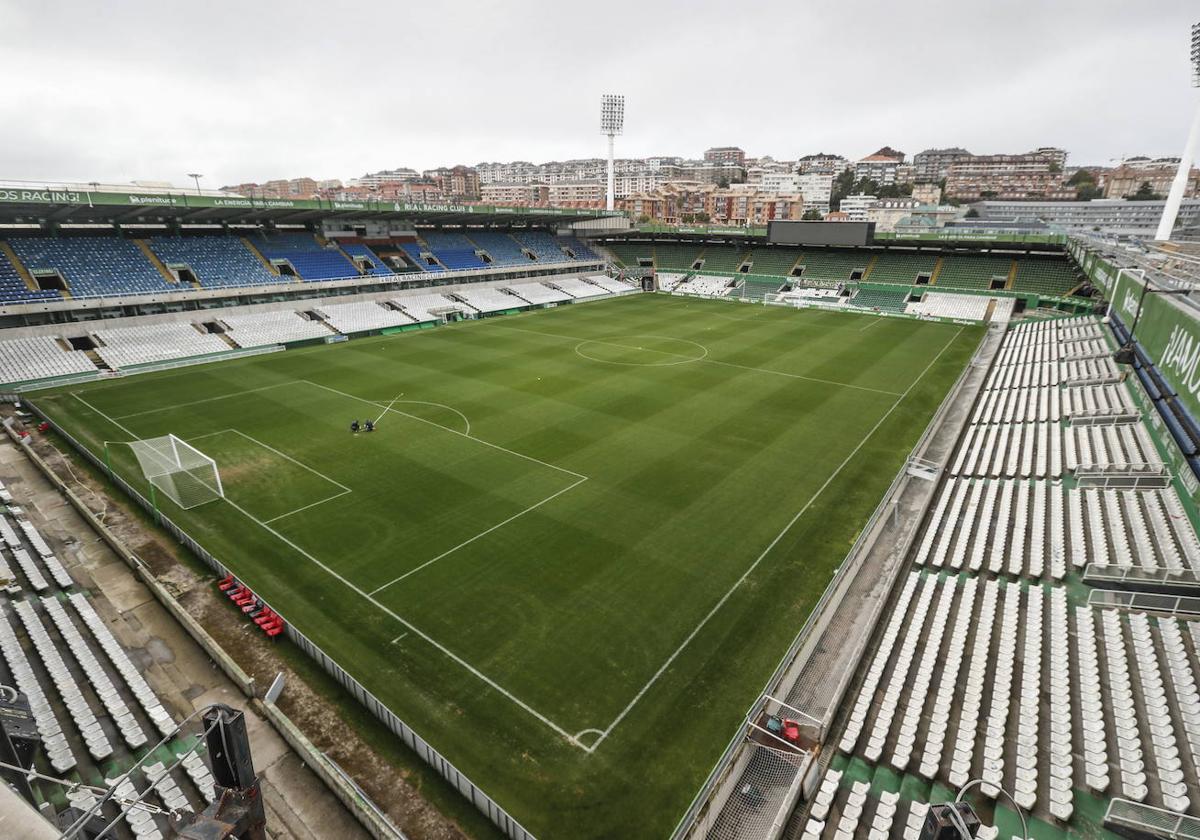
<point x="353" y="514"/>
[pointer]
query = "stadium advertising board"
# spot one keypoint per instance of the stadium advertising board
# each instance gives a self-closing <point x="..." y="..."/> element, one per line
<point x="185" y="200"/>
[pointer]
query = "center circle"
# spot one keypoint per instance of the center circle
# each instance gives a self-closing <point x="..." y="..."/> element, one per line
<point x="641" y="350"/>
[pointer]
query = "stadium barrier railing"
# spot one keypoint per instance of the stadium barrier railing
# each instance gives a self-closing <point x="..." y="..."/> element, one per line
<point x="699" y="815"/>
<point x="424" y="750"/>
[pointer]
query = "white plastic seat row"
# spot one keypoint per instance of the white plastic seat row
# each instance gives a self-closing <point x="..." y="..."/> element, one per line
<point x="1091" y="708"/>
<point x="1120" y="699"/>
<point x="965" y="745"/>
<point x="32" y="573"/>
<point x="120" y="660"/>
<point x="1089" y="371"/>
<point x="885" y="710"/>
<point x="130" y="729"/>
<point x="51" y="562"/>
<point x="140" y="821"/>
<point x="54" y="742"/>
<point x="825" y="795"/>
<point x="918" y="692"/>
<point x="858" y="714"/>
<point x="1156" y="707"/>
<point x="85" y="719"/>
<point x="943" y="701"/>
<point x="1001" y="689"/>
<point x="1183" y="683"/>
<point x="1061" y="769"/>
<point x="852" y="811"/>
<point x="1026" y="758"/>
<point x="167" y="788"/>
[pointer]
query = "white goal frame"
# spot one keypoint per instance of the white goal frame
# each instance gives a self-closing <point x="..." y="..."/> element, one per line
<point x="179" y="470"/>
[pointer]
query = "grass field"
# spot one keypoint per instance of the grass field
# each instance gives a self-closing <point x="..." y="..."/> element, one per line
<point x="580" y="539"/>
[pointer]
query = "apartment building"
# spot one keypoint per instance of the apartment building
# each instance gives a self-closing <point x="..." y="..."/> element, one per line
<point x="932" y="165"/>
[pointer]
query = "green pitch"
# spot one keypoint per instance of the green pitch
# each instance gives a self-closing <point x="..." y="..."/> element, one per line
<point x="580" y="539"/>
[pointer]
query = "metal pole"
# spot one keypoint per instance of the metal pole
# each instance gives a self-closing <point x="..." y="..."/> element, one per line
<point x="1171" y="210"/>
<point x="611" y="193"/>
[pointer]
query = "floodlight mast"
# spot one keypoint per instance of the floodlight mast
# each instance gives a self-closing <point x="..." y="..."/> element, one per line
<point x="1179" y="185"/>
<point x="612" y="123"/>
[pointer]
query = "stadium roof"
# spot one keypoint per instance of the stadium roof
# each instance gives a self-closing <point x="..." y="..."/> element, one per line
<point x="35" y="206"/>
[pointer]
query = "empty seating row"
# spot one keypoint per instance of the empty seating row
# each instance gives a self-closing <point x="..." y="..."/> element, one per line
<point x="538" y="293"/>
<point x="1144" y="528"/>
<point x="964" y="307"/>
<point x="880" y="300"/>
<point x="423" y="308"/>
<point x="25" y="359"/>
<point x="58" y="750"/>
<point x="1122" y="447"/>
<point x="13" y="288"/>
<point x="500" y="247"/>
<point x="361" y="316"/>
<point x="1011" y="449"/>
<point x="265" y="328"/>
<point x="363" y="256"/>
<point x="122" y="347"/>
<point x="308" y="258"/>
<point x="488" y="299"/>
<point x="1016" y="527"/>
<point x="707" y="285"/>
<point x="1019" y="405"/>
<point x="92" y="266"/>
<point x="1088" y="401"/>
<point x="215" y="261"/>
<point x="579" y="288"/>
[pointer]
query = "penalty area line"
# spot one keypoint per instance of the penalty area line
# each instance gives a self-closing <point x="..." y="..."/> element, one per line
<point x="410" y="627"/>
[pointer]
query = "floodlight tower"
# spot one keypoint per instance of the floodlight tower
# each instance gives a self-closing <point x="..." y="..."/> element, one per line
<point x="612" y="123"/>
<point x="1179" y="185"/>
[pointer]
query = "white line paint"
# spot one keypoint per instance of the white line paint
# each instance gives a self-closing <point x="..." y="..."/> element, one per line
<point x="205" y="400"/>
<point x="308" y="506"/>
<point x="465" y="543"/>
<point x="873" y="323"/>
<point x="706" y="360"/>
<point x="398" y="638"/>
<point x="724" y="598"/>
<point x="448" y="429"/>
<point x="412" y="628"/>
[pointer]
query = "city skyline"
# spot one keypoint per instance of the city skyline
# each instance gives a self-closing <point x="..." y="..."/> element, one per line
<point x="801" y="78"/>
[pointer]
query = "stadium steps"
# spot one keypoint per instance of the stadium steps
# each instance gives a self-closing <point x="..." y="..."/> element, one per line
<point x="937" y="270"/>
<point x="1012" y="276"/>
<point x="152" y="257"/>
<point x="96" y="359"/>
<point x="870" y="267"/>
<point x="22" y="271"/>
<point x="254" y="250"/>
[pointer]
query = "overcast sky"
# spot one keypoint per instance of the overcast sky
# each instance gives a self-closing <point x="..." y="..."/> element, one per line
<point x="252" y="90"/>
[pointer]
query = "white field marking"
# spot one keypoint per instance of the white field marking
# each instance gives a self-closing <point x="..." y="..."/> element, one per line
<point x="412" y="628"/>
<point x="205" y="400"/>
<point x="398" y="638"/>
<point x="680" y="359"/>
<point x="343" y="491"/>
<point x="696" y="630"/>
<point x="438" y="405"/>
<point x="710" y="361"/>
<point x="448" y="429"/>
<point x="387" y="407"/>
<point x="878" y="318"/>
<point x="465" y="543"/>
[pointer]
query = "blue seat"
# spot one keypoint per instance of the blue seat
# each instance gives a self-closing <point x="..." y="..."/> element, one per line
<point x="357" y="249"/>
<point x="13" y="288"/>
<point x="310" y="259"/>
<point x="93" y="266"/>
<point x="215" y="260"/>
<point x="501" y="247"/>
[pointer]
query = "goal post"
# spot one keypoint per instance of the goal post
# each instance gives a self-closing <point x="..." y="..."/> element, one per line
<point x="179" y="470"/>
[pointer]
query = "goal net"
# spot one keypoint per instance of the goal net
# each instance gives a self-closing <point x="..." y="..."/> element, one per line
<point x="183" y="473"/>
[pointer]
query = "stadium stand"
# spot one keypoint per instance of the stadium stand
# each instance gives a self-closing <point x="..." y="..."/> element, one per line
<point x="538" y="293"/>
<point x="579" y="248"/>
<point x="453" y="250"/>
<point x="721" y="259"/>
<point x="92" y="266"/>
<point x="900" y="268"/>
<point x="25" y="359"/>
<point x="966" y="307"/>
<point x="1020" y="681"/>
<point x="832" y="265"/>
<point x="13" y="288"/>
<point x="266" y="328"/>
<point x="1045" y="276"/>
<point x="965" y="271"/>
<point x="422" y="256"/>
<point x="213" y="260"/>
<point x="501" y="247"/>
<point x="669" y="281"/>
<point x="310" y="259"/>
<point x="488" y="300"/>
<point x="87" y="697"/>
<point x="543" y="245"/>
<point x="883" y="300"/>
<point x="351" y="318"/>
<point x="702" y="284"/>
<point x="364" y="252"/>
<point x="629" y="253"/>
<point x="676" y="257"/>
<point x="774" y="261"/>
<point x="612" y="284"/>
<point x="424" y="308"/>
<point x="579" y="289"/>
<point x="128" y="346"/>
